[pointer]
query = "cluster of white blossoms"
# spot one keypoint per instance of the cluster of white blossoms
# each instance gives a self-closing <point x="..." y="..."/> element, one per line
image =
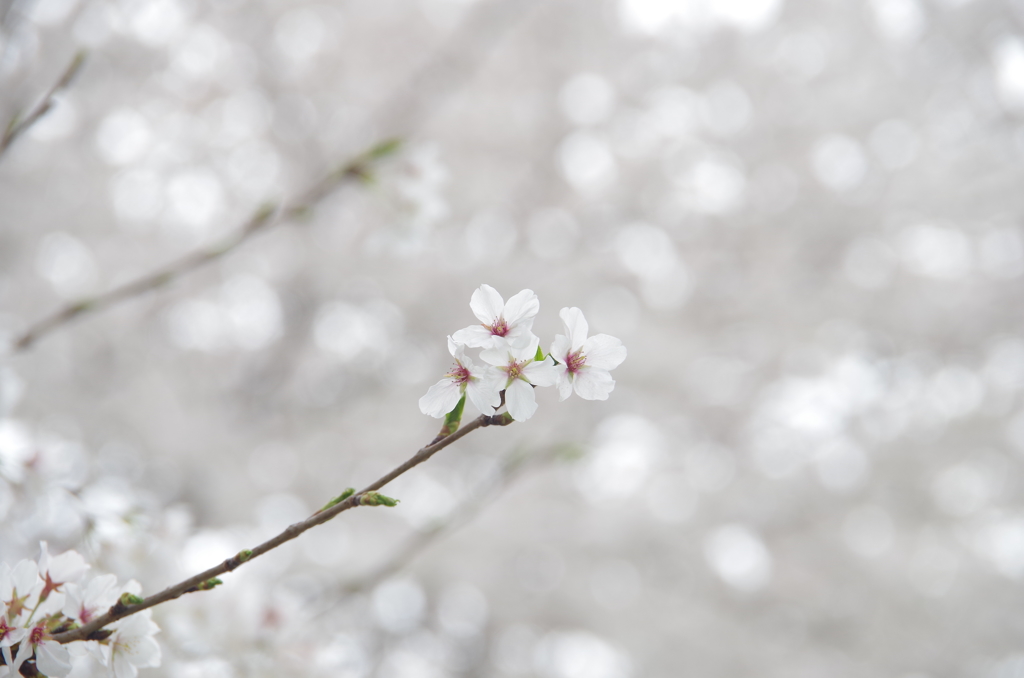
<point x="514" y="362"/>
<point x="39" y="600"/>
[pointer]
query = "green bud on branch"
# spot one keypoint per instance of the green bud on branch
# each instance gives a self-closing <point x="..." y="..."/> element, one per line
<point x="349" y="491"/>
<point x="129" y="599"/>
<point x="453" y="419"/>
<point x="376" y="499"/>
<point x="244" y="555"/>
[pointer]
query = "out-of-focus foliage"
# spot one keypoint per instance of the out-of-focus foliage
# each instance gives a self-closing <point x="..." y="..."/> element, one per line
<point x="803" y="218"/>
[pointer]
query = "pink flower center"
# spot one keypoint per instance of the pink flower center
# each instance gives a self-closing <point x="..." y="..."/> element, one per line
<point x="36" y="636"/>
<point x="4" y="628"/>
<point x="515" y="370"/>
<point x="574" y="362"/>
<point x="460" y="374"/>
<point x="499" y="327"/>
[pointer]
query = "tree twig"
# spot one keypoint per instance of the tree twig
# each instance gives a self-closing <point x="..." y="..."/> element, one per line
<point x="202" y="580"/>
<point x="440" y="76"/>
<point x="18" y="125"/>
<point x="267" y="215"/>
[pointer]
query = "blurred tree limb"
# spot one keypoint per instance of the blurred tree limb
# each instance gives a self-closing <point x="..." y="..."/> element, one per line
<point x="347" y="500"/>
<point x="19" y="124"/>
<point x="359" y="168"/>
<point x="448" y="69"/>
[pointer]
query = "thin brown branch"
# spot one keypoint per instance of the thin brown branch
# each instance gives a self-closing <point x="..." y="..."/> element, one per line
<point x="357" y="169"/>
<point x="19" y="124"/>
<point x="199" y="581"/>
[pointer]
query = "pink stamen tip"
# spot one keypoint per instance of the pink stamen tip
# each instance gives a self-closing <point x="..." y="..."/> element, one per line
<point x="515" y="369"/>
<point x="460" y="374"/>
<point x="574" y="362"/>
<point x="499" y="327"/>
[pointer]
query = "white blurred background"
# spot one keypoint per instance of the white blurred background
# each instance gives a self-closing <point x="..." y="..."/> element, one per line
<point x="802" y="218"/>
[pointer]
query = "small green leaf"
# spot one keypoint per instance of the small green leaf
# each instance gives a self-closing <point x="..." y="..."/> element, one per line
<point x="349" y="491"/>
<point x="540" y="355"/>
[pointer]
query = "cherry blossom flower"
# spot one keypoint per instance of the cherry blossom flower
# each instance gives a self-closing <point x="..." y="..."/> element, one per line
<point x="9" y="635"/>
<point x="84" y="604"/>
<point x="480" y="385"/>
<point x="585" y="363"/>
<point x="501" y="322"/>
<point x="132" y="646"/>
<point x="58" y="570"/>
<point x="17" y="586"/>
<point x="52" y="658"/>
<point x="522" y="372"/>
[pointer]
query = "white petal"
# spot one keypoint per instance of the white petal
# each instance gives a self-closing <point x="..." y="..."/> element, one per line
<point x="454" y="348"/>
<point x="44" y="559"/>
<point x="102" y="589"/>
<point x="24" y="652"/>
<point x="560" y="348"/>
<point x="123" y="668"/>
<point x="25" y="577"/>
<point x="499" y="357"/>
<point x="593" y="384"/>
<point x="575" y="326"/>
<point x="521" y="336"/>
<point x="101" y="653"/>
<point x="520" y="400"/>
<point x="604" y="352"/>
<point x="484" y="393"/>
<point x="521" y="307"/>
<point x="486" y="304"/>
<point x="525" y="351"/>
<point x="73" y="601"/>
<point x="68" y="566"/>
<point x="14" y="636"/>
<point x="52" y="659"/>
<point x="441" y="398"/>
<point x="564" y="384"/>
<point x="542" y="373"/>
<point x="144" y="651"/>
<point x="474" y="336"/>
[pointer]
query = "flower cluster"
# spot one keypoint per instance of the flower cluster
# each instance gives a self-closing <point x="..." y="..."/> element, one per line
<point x="514" y="362"/>
<point x="39" y="600"/>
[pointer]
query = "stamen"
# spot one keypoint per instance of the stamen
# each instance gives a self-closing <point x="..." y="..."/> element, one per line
<point x="574" y="362"/>
<point x="459" y="373"/>
<point x="499" y="327"/>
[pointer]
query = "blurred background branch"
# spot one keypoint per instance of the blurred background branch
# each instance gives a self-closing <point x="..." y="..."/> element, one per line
<point x="20" y="122"/>
<point x="410" y="106"/>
